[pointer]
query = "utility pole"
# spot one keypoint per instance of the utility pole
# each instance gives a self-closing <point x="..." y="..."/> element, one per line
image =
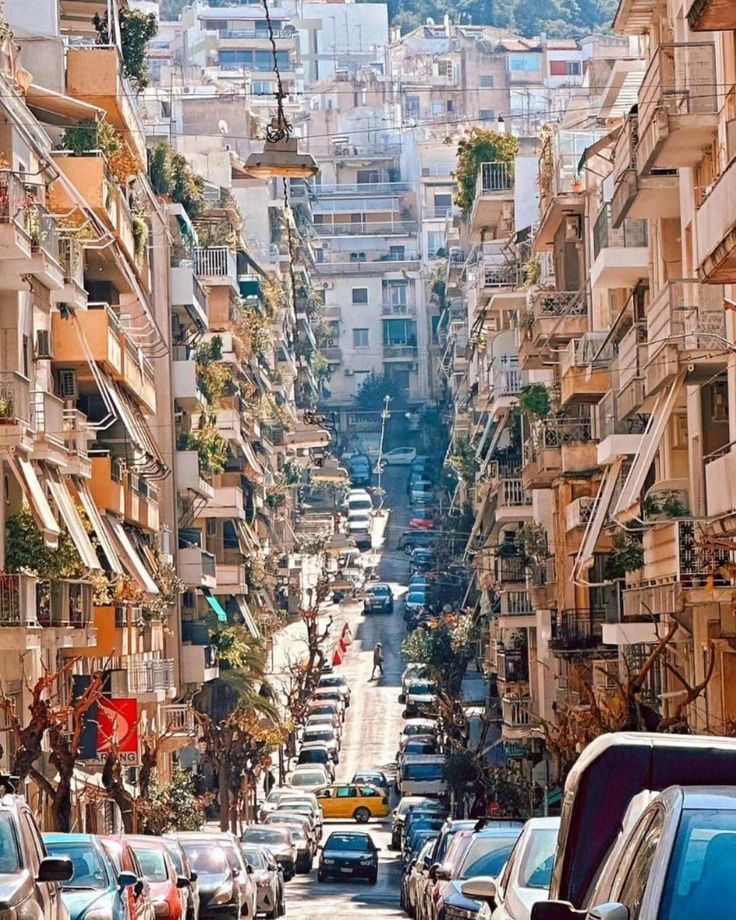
<point x="385" y="414"/>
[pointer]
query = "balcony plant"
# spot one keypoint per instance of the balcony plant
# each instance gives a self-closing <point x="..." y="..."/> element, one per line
<point x="140" y="236"/>
<point x="90" y="136"/>
<point x="27" y="552"/>
<point x="627" y="555"/>
<point x="136" y="29"/>
<point x="480" y="146"/>
<point x="665" y="504"/>
<point x="276" y="495"/>
<point x="7" y="410"/>
<point x="255" y="328"/>
<point x="320" y="366"/>
<point x="534" y="401"/>
<point x="211" y="448"/>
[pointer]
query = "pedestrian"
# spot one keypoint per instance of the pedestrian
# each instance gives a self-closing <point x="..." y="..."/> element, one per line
<point x="377" y="660"/>
<point x="269" y="781"/>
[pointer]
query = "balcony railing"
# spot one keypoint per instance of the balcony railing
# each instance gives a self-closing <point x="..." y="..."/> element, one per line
<point x="501" y="276"/>
<point x="47" y="412"/>
<point x="151" y="676"/>
<point x="507" y="381"/>
<point x="405" y="308"/>
<point x="495" y="177"/>
<point x="631" y="233"/>
<point x="367" y="228"/>
<point x="214" y="262"/>
<point x="362" y="188"/>
<point x="577" y="629"/>
<point x="14" y="611"/>
<point x="408" y="352"/>
<point x="15" y="399"/>
<point x="14" y="199"/>
<point x="590" y="350"/>
<point x="628" y="363"/>
<point x="556" y="432"/>
<point x="178" y="718"/>
<point x="76" y="432"/>
<point x="516" y="713"/>
<point x="209" y="564"/>
<point x="512" y="493"/>
<point x="516" y="604"/>
<point x="43" y="231"/>
<point x="511" y="569"/>
<point x="256" y="33"/>
<point x="688" y="314"/>
<point x="560" y="303"/>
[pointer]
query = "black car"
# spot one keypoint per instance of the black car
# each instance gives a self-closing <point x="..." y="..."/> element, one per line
<point x="379" y="599"/>
<point x="219" y="896"/>
<point x="411" y="539"/>
<point x="30" y="887"/>
<point x="422" y="560"/>
<point x="360" y="471"/>
<point x="348" y="855"/>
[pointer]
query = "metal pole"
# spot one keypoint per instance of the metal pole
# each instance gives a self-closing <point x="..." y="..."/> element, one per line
<point x="385" y="414"/>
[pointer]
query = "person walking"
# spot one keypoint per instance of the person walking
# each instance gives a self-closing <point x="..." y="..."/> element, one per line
<point x="377" y="660"/>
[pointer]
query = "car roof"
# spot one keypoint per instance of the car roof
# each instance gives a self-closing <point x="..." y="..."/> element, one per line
<point x="409" y="722"/>
<point x="424" y="758"/>
<point x="349" y="834"/>
<point x="55" y="837"/>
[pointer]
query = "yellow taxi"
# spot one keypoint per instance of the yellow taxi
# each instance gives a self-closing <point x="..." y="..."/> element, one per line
<point x="348" y="800"/>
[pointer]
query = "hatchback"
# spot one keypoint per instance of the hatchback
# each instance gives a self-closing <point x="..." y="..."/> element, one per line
<point x="349" y="855"/>
<point x="346" y="800"/>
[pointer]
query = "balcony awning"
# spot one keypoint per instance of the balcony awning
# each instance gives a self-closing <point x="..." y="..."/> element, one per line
<point x="652" y="438"/>
<point x="36" y="497"/>
<point x="251" y="459"/>
<point x="74" y="524"/>
<point x="131" y="418"/>
<point x="248" y="621"/>
<point x="57" y="109"/>
<point x="216" y="606"/>
<point x="593" y="528"/>
<point x="100" y="528"/>
<point x="247" y="540"/>
<point x="129" y="555"/>
<point x="474" y="530"/>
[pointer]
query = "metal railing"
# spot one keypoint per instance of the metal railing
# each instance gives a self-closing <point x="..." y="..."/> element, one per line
<point x="495" y="177"/>
<point x="15" y="199"/>
<point x="511" y="569"/>
<point x="71" y="260"/>
<point x="507" y="381"/>
<point x="362" y="188"/>
<point x="631" y="233"/>
<point x="76" y="432"/>
<point x="402" y="308"/>
<point x="628" y="363"/>
<point x="624" y="151"/>
<point x="577" y="629"/>
<point x="47" y="413"/>
<point x="516" y="713"/>
<point x="367" y="228"/>
<point x="501" y="276"/>
<point x="516" y="604"/>
<point x="512" y="493"/>
<point x="214" y="262"/>
<point x="15" y="398"/>
<point x="178" y="718"/>
<point x="255" y="33"/>
<point x="551" y="433"/>
<point x="559" y="303"/>
<point x="590" y="350"/>
<point x="43" y="231"/>
<point x="10" y="600"/>
<point x="150" y="676"/>
<point x="689" y="313"/>
<point x="400" y="351"/>
<point x="681" y="79"/>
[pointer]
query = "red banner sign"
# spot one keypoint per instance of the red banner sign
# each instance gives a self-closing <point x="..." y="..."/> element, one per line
<point x="117" y="726"/>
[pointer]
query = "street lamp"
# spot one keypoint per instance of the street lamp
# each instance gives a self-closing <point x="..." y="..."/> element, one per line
<point x="385" y="415"/>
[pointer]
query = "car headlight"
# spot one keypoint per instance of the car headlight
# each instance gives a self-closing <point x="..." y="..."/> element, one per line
<point x="329" y="862"/>
<point x="161" y="909"/>
<point x="99" y="913"/>
<point x="223" y="894"/>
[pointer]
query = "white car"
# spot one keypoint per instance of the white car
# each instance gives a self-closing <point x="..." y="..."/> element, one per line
<point x="399" y="456"/>
<point x="526" y="877"/>
<point x="309" y="778"/>
<point x="358" y="500"/>
<point x="412" y="671"/>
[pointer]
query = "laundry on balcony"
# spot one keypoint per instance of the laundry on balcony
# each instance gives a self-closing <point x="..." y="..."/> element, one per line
<point x="248" y="621"/>
<point x="35" y="495"/>
<point x="74" y="524"/>
<point x="216" y="606"/>
<point x="98" y="526"/>
<point x="130" y="558"/>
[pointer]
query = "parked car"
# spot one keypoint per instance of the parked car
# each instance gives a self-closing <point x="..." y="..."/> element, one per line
<point x="278" y="840"/>
<point x="526" y="878"/>
<point x="303" y="835"/>
<point x="379" y="599"/>
<point x="270" y="892"/>
<point x="160" y="873"/>
<point x="219" y="893"/>
<point x="399" y="456"/>
<point x="335" y="681"/>
<point x="417" y="606"/>
<point x="244" y="888"/>
<point x="419" y="826"/>
<point x="358" y="500"/>
<point x="330" y="695"/>
<point x="348" y="854"/>
<point x="189" y="893"/>
<point x="120" y="852"/>
<point x="291" y="810"/>
<point x="305" y="805"/>
<point x="375" y="778"/>
<point x="315" y="752"/>
<point x="89" y="877"/>
<point x="423" y="518"/>
<point x="360" y="470"/>
<point x="422" y="774"/>
<point x="419" y="698"/>
<point x="412" y="727"/>
<point x="422" y="560"/>
<point x="411" y="539"/>
<point x="327" y="719"/>
<point x="348" y="800"/>
<point x="412" y="880"/>
<point x="408" y="804"/>
<point x="329" y="736"/>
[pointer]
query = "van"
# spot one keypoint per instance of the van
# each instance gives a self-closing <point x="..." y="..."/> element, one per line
<point x="422" y="774"/>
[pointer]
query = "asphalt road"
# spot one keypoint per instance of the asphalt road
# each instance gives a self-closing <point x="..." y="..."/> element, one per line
<point x="370" y="736"/>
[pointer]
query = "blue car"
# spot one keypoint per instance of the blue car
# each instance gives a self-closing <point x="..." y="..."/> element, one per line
<point x="95" y="889"/>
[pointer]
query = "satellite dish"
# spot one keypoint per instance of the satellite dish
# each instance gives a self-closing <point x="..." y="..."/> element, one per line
<point x="223" y="126"/>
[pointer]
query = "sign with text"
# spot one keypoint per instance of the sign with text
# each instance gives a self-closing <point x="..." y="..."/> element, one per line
<point x="117" y="725"/>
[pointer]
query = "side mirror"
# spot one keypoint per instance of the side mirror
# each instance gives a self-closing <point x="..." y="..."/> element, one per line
<point x="556" y="910"/>
<point x="55" y="869"/>
<point x="128" y="879"/>
<point x="182" y="881"/>
<point x="433" y="871"/>
<point x="610" y="911"/>
<point x="481" y="888"/>
<point x="249" y="869"/>
<point x="235" y="872"/>
<point x="193" y="876"/>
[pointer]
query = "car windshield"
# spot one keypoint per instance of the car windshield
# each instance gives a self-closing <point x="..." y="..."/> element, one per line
<point x="539" y="858"/>
<point x="307" y="779"/>
<point x="152" y="863"/>
<point x="424" y="772"/>
<point x="419" y="728"/>
<point x="417" y="597"/>
<point x="422" y="686"/>
<point x="701" y="879"/>
<point x="420" y="747"/>
<point x="350" y="842"/>
<point x="313" y="756"/>
<point x="265" y="835"/>
<point x="375" y="778"/>
<point x="89" y="869"/>
<point x="254" y="858"/>
<point x="380" y="589"/>
<point x="318" y="734"/>
<point x="175" y="854"/>
<point x="9" y="854"/>
<point x="487" y="856"/>
<point x="422" y="514"/>
<point x="330" y="682"/>
<point x="206" y="859"/>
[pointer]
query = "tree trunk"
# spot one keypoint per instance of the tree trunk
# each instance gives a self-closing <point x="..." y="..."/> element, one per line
<point x="61" y="807"/>
<point x="223" y="774"/>
<point x="112" y="780"/>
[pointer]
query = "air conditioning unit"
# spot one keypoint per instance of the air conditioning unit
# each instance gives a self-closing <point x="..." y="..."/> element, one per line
<point x="43" y="345"/>
<point x="330" y="343"/>
<point x="68" y="384"/>
<point x="328" y="285"/>
<point x="573" y="228"/>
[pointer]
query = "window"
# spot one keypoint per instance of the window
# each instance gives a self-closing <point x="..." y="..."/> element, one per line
<point x="367" y="175"/>
<point x="633" y="874"/>
<point x="486" y="81"/>
<point x="444" y="68"/>
<point x="357" y="257"/>
<point x="442" y="201"/>
<point x="564" y="68"/>
<point x="487" y="115"/>
<point x="435" y="241"/>
<point x="396" y="253"/>
<point x="412" y="106"/>
<point x="360" y="338"/>
<point x="450" y="106"/>
<point x="395" y="292"/>
<point x="345" y="792"/>
<point x="524" y="63"/>
<point x="438" y="108"/>
<point x="211" y="527"/>
<point x="399" y="332"/>
<point x="360" y="295"/>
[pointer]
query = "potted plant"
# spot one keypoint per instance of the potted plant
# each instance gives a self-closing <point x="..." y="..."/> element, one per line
<point x="7" y="410"/>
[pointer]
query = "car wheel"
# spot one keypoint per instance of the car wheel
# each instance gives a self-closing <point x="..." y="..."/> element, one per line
<point x="362" y="815"/>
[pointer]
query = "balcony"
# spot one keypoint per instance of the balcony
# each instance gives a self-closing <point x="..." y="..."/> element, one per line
<point x="367" y="228"/>
<point x="178" y="726"/>
<point x="634" y="17"/>
<point x="71" y="259"/>
<point x="227" y="502"/>
<point x="141" y="503"/>
<point x="720" y="482"/>
<point x="636" y="195"/>
<point x="16" y="416"/>
<point x="516" y="604"/>
<point x="506" y="380"/>
<point x="620" y="255"/>
<point x="678" y="113"/>
<point x="18" y="612"/>
<point x="514" y="502"/>
<point x="578" y="513"/>
<point x="107" y="484"/>
<point x="686" y="323"/>
<point x="216" y="265"/>
<point x="155" y="676"/>
<point x="541" y="584"/>
<point x="94" y="75"/>
<point x="187" y="392"/>
<point x="199" y="664"/>
<point x="516" y="713"/>
<point x="77" y="436"/>
<point x="716" y="233"/>
<point x="197" y="567"/>
<point x="494" y="196"/>
<point x="510" y="569"/>
<point x="188" y="476"/>
<point x="66" y="617"/>
<point x="399" y="352"/>
<point x="542" y="457"/>
<point x="577" y="630"/>
<point x="585" y="374"/>
<point x="629" y="370"/>
<point x="138" y="375"/>
<point x="558" y="316"/>
<point x="512" y="665"/>
<point x="712" y="16"/>
<point x="389" y="308"/>
<point x="187" y="295"/>
<point x="47" y="412"/>
<point x="15" y="241"/>
<point x="103" y="336"/>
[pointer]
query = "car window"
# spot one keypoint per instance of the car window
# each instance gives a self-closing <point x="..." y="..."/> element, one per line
<point x="348" y="842"/>
<point x="538" y="859"/>
<point x="488" y="863"/>
<point x="90" y="871"/>
<point x="701" y="879"/>
<point x="30" y="834"/>
<point x="209" y="860"/>
<point x="153" y="864"/>
<point x="638" y="868"/>
<point x="265" y="835"/>
<point x="9" y="851"/>
<point x="368" y="792"/>
<point x="254" y="858"/>
<point x="344" y="792"/>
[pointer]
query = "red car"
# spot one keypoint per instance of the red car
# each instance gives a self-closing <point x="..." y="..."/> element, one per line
<point x="160" y="873"/>
<point x="124" y="859"/>
<point x="422" y="519"/>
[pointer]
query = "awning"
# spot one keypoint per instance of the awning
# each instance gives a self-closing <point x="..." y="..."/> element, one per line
<point x="34" y="493"/>
<point x="595" y="148"/>
<point x="58" y="109"/>
<point x="252" y="460"/>
<point x="335" y="474"/>
<point x="650" y="442"/>
<point x="68" y="510"/>
<point x="99" y="526"/>
<point x="129" y="555"/>
<point x="597" y="519"/>
<point x="131" y="418"/>
<point x="249" y="622"/>
<point x="216" y="606"/>
<point x="477" y="522"/>
<point x="247" y="540"/>
<point x="495" y="441"/>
